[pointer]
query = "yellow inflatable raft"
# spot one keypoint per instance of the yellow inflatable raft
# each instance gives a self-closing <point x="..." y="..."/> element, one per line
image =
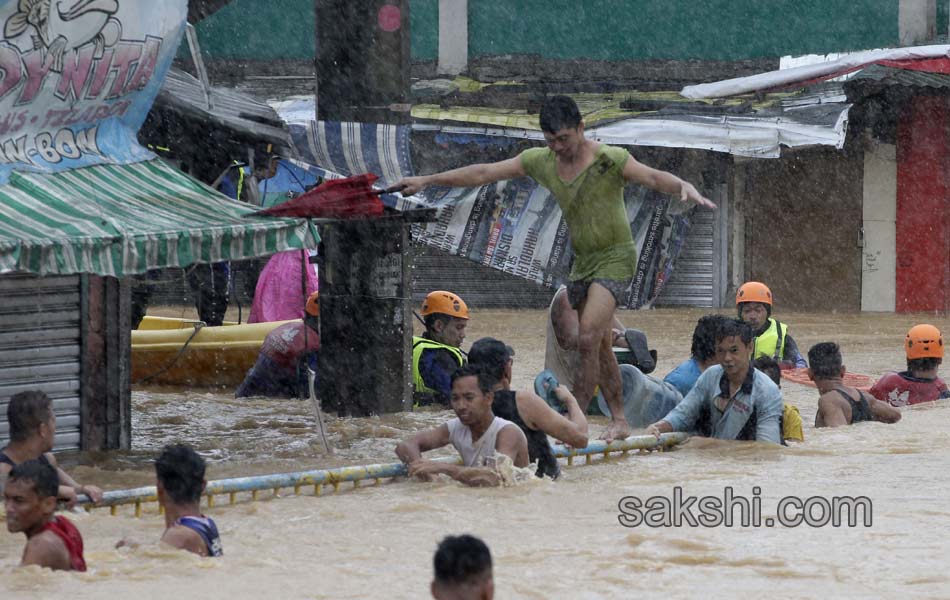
<point x="212" y="356"/>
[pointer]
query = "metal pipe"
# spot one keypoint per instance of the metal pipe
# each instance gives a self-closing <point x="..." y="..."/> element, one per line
<point x="358" y="473"/>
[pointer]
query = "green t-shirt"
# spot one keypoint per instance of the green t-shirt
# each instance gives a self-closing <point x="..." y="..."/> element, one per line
<point x="593" y="207"/>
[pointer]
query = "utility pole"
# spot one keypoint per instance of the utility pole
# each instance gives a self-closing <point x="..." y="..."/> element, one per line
<point x="365" y="264"/>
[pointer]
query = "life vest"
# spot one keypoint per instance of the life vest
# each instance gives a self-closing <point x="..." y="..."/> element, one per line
<point x="772" y="341"/>
<point x="421" y="344"/>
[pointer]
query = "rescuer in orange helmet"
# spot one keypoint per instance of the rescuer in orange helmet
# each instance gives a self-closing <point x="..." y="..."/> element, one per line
<point x="924" y="347"/>
<point x="287" y="351"/>
<point x="754" y="303"/>
<point x="436" y="354"/>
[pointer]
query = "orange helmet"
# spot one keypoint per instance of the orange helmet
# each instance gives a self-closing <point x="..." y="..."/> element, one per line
<point x="313" y="304"/>
<point x="753" y="291"/>
<point x="444" y="303"/>
<point x="923" y="341"/>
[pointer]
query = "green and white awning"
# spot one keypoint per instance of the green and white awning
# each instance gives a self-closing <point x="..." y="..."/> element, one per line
<point x="120" y="220"/>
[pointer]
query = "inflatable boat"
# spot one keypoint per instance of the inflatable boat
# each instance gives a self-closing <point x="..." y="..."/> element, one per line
<point x="184" y="352"/>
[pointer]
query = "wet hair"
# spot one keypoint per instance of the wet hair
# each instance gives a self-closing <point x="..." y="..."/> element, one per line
<point x="559" y="112"/>
<point x="43" y="475"/>
<point x="460" y="560"/>
<point x="182" y="472"/>
<point x="26" y="412"/>
<point x="767" y="365"/>
<point x="734" y="328"/>
<point x="704" y="337"/>
<point x="824" y="360"/>
<point x="484" y="379"/>
<point x="923" y="364"/>
<point x="491" y="355"/>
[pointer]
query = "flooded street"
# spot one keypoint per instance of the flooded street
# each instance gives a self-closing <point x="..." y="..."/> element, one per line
<point x="548" y="540"/>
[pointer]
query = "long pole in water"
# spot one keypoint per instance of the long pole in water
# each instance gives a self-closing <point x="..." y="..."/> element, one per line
<point x="359" y="473"/>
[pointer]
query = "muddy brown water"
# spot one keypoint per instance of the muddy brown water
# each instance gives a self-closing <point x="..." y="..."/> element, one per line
<point x="549" y="540"/>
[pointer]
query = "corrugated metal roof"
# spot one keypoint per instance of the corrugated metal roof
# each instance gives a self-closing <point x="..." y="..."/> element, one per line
<point x="900" y="77"/>
<point x="239" y="113"/>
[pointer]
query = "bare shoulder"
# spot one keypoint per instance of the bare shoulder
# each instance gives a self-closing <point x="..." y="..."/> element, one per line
<point x="184" y="538"/>
<point x="46" y="549"/>
<point x="511" y="434"/>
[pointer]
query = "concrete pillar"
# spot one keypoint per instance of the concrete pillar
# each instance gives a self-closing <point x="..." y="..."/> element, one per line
<point x="104" y="385"/>
<point x="453" y="36"/>
<point x="917" y="21"/>
<point x="878" y="262"/>
<point x="364" y="363"/>
<point x="363" y="61"/>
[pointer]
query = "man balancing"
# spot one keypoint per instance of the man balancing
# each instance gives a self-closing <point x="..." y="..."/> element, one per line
<point x="731" y="400"/>
<point x="527" y="410"/>
<point x="587" y="179"/>
<point x="436" y="354"/>
<point x="29" y="498"/>
<point x="476" y="433"/>
<point x="840" y="404"/>
<point x="287" y="352"/>
<point x="771" y="338"/>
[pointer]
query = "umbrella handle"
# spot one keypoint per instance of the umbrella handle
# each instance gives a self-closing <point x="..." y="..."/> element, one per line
<point x="389" y="190"/>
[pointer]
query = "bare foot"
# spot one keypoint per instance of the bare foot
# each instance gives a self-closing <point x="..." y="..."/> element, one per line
<point x="618" y="429"/>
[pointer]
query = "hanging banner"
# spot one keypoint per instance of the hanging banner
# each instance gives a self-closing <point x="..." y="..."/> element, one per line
<point x="78" y="77"/>
<point x="513" y="226"/>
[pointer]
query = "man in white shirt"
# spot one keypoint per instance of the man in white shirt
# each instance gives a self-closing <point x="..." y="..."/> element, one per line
<point x="476" y="433"/>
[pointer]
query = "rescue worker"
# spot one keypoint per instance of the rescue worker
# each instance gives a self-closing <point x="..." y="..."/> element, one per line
<point x="771" y="338"/>
<point x="923" y="347"/>
<point x="287" y="351"/>
<point x="436" y="354"/>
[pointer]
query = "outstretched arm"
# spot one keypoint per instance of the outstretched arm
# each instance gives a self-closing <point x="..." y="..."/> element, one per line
<point x="882" y="411"/>
<point x="470" y="176"/>
<point x="410" y="450"/>
<point x="571" y="430"/>
<point x="664" y="182"/>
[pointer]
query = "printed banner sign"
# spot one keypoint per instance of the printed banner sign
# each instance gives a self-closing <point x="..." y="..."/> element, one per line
<point x="514" y="226"/>
<point x="78" y="77"/>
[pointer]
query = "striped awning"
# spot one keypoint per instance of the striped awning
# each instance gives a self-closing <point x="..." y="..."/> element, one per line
<point x="119" y="220"/>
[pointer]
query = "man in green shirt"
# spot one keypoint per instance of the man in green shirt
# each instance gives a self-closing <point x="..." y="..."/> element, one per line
<point x="587" y="179"/>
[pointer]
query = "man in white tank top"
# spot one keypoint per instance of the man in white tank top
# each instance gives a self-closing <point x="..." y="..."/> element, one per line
<point x="476" y="433"/>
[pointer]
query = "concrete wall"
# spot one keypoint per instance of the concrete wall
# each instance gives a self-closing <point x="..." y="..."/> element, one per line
<point x="610" y="30"/>
<point x="618" y="30"/>
<point x="801" y="216"/>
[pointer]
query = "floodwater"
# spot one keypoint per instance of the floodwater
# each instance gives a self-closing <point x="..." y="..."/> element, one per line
<point x="548" y="540"/>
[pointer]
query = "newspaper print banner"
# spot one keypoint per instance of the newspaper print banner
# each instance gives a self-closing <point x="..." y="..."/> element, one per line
<point x="514" y="226"/>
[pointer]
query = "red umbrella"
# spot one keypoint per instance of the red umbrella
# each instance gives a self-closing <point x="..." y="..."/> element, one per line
<point x="351" y="197"/>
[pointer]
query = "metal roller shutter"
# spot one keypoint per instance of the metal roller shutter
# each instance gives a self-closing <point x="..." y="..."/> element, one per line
<point x="40" y="347"/>
<point x="699" y="272"/>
